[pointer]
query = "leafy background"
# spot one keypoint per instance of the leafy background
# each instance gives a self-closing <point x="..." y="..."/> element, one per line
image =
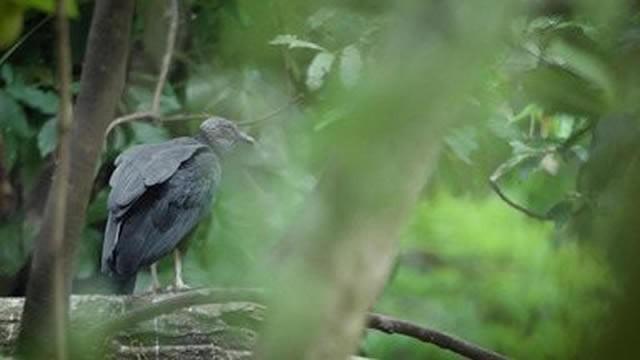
<point x="468" y="263"/>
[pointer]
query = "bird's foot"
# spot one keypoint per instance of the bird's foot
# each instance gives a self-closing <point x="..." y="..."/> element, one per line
<point x="154" y="288"/>
<point x="178" y="285"/>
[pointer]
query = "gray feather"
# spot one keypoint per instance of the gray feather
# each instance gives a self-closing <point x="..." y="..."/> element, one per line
<point x="146" y="165"/>
<point x="162" y="216"/>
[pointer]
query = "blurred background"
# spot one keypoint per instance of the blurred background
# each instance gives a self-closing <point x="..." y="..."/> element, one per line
<point x="524" y="238"/>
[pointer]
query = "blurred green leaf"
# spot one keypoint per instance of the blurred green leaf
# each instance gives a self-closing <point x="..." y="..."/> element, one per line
<point x="463" y="143"/>
<point x="48" y="137"/>
<point x="12" y="118"/>
<point x="292" y="42"/>
<point x="350" y="65"/>
<point x="583" y="64"/>
<point x="42" y="100"/>
<point x="318" y="70"/>
<point x="7" y="73"/>
<point x="144" y="133"/>
<point x="50" y="5"/>
<point x="97" y="210"/>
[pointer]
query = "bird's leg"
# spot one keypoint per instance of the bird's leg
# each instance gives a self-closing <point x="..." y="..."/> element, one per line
<point x="155" y="283"/>
<point x="178" y="283"/>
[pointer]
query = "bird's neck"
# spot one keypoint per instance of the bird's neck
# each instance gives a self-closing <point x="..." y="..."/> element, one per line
<point x="202" y="137"/>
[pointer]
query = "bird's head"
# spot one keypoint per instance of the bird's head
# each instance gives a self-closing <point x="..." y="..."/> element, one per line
<point x="223" y="134"/>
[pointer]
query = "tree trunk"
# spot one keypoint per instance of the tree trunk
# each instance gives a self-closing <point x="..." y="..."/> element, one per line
<point x="101" y="85"/>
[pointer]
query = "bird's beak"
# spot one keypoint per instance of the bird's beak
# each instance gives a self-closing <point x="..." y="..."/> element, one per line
<point x="246" y="138"/>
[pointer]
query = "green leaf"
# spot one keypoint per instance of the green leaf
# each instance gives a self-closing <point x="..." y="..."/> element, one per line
<point x="561" y="212"/>
<point x="7" y="74"/>
<point x="48" y="137"/>
<point x="10" y="150"/>
<point x="145" y="133"/>
<point x="45" y="101"/>
<point x="292" y="41"/>
<point x="318" y="69"/>
<point x="97" y="210"/>
<point x="350" y="65"/>
<point x="463" y="143"/>
<point x="583" y="64"/>
<point x="12" y="118"/>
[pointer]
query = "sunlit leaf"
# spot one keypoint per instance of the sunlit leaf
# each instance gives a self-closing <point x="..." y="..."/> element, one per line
<point x="50" y="5"/>
<point x="318" y="69"/>
<point x="11" y="17"/>
<point x="292" y="42"/>
<point x="350" y="65"/>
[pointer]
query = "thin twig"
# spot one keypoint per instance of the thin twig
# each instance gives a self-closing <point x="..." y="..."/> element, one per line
<point x="296" y="99"/>
<point x="168" y="55"/>
<point x="62" y="177"/>
<point x="24" y="38"/>
<point x="390" y="325"/>
<point x="127" y="118"/>
<point x="154" y="113"/>
<point x="494" y="185"/>
<point x="575" y="137"/>
<point x="183" y="117"/>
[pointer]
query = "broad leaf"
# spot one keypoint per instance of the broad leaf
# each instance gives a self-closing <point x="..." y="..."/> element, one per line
<point x="12" y="118"/>
<point x="48" y="137"/>
<point x="350" y="65"/>
<point x="318" y="69"/>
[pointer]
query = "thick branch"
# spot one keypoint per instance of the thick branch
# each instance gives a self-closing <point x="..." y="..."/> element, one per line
<point x="180" y="301"/>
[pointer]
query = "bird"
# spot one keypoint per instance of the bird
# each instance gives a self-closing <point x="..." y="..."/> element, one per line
<point x="159" y="193"/>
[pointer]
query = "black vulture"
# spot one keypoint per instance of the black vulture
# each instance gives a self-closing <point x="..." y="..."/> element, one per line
<point x="159" y="192"/>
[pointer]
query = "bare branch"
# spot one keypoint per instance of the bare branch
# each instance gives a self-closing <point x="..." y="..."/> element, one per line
<point x="7" y="54"/>
<point x="127" y="118"/>
<point x="296" y="99"/>
<point x="179" y="301"/>
<point x="494" y="185"/>
<point x="390" y="325"/>
<point x="166" y="60"/>
<point x="154" y="113"/>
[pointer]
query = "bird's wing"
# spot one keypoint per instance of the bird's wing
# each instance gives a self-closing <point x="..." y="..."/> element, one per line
<point x="146" y="165"/>
<point x="165" y="214"/>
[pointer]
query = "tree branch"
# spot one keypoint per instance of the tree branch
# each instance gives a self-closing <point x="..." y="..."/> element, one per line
<point x="386" y="324"/>
<point x="154" y="113"/>
<point x="168" y="55"/>
<point x="61" y="185"/>
<point x="390" y="325"/>
<point x="493" y="182"/>
<point x="295" y="100"/>
<point x="179" y="301"/>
